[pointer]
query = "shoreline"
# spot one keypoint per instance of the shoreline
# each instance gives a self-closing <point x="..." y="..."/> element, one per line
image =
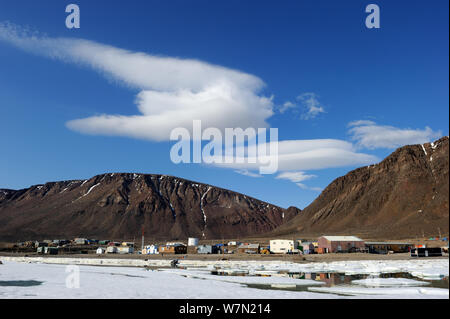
<point x="196" y="260"/>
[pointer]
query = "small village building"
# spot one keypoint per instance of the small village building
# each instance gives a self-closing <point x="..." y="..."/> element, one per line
<point x="248" y="249"/>
<point x="307" y="248"/>
<point x="232" y="247"/>
<point x="283" y="246"/>
<point x="50" y="250"/>
<point x="29" y="244"/>
<point x="387" y="247"/>
<point x="221" y="248"/>
<point x="426" y="252"/>
<point x="80" y="241"/>
<point x="63" y="242"/>
<point x="207" y="249"/>
<point x="150" y="250"/>
<point x="173" y="249"/>
<point x="111" y="250"/>
<point x="192" y="241"/>
<point x="40" y="244"/>
<point x="100" y="250"/>
<point x="114" y="243"/>
<point x="125" y="249"/>
<point x="174" y="243"/>
<point x="334" y="244"/>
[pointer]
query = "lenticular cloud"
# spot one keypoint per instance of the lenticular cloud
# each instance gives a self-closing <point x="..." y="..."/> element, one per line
<point x="173" y="91"/>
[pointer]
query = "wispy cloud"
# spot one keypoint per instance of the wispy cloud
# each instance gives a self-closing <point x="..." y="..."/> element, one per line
<point x="246" y="172"/>
<point x="286" y="106"/>
<point x="305" y="187"/>
<point x="173" y="91"/>
<point x="295" y="177"/>
<point x="306" y="104"/>
<point x="369" y="135"/>
<point x="311" y="104"/>
<point x="298" y="177"/>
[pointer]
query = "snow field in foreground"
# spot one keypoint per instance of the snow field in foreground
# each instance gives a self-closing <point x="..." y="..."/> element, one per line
<point x="133" y="282"/>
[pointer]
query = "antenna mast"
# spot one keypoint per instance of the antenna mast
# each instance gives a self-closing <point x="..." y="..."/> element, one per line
<point x="142" y="248"/>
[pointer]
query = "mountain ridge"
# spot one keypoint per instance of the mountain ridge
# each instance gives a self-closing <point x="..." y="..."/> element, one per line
<point x="118" y="205"/>
<point x="403" y="196"/>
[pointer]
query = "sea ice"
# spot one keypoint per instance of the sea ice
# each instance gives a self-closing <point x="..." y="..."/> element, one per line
<point x="403" y="292"/>
<point x="387" y="282"/>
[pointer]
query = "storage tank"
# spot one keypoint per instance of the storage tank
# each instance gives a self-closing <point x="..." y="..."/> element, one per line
<point x="192" y="241"/>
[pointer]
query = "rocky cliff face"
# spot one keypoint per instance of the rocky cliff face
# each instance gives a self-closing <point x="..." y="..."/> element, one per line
<point x="404" y="196"/>
<point x="119" y="205"/>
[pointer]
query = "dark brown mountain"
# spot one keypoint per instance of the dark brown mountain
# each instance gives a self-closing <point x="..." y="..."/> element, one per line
<point x="119" y="205"/>
<point x="404" y="196"/>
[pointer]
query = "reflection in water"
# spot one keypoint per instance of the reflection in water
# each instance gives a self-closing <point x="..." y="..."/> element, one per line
<point x="330" y="279"/>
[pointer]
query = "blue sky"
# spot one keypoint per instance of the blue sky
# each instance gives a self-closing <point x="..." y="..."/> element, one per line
<point x="320" y="64"/>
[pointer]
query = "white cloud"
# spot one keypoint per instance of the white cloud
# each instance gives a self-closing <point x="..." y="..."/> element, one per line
<point x="302" y="155"/>
<point x="360" y="123"/>
<point x="246" y="172"/>
<point x="173" y="91"/>
<point x="305" y="187"/>
<point x="311" y="105"/>
<point x="369" y="135"/>
<point x="295" y="176"/>
<point x="286" y="106"/>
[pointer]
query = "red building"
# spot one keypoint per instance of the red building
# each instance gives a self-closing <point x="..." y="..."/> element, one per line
<point x="333" y="244"/>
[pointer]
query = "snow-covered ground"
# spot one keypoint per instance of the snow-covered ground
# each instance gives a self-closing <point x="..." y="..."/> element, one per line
<point x="39" y="280"/>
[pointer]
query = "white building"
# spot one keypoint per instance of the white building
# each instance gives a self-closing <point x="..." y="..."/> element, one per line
<point x="125" y="250"/>
<point x="111" y="250"/>
<point x="175" y="243"/>
<point x="79" y="241"/>
<point x="101" y="250"/>
<point x="150" y="250"/>
<point x="283" y="246"/>
<point x="192" y="241"/>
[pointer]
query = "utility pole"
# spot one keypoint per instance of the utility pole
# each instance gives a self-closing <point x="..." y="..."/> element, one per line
<point x="142" y="246"/>
<point x="440" y="236"/>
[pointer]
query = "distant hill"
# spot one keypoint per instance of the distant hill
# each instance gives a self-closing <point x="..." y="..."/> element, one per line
<point x="119" y="205"/>
<point x="405" y="195"/>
